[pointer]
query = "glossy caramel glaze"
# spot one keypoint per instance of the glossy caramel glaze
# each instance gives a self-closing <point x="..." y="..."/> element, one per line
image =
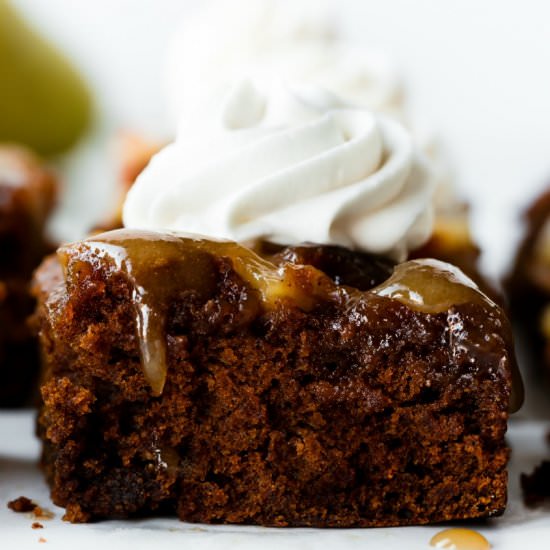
<point x="431" y="286"/>
<point x="159" y="266"/>
<point x="460" y="539"/>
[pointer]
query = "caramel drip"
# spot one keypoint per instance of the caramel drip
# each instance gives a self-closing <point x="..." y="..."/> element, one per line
<point x="431" y="286"/>
<point x="460" y="539"/>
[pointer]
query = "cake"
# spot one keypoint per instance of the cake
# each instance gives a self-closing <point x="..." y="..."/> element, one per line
<point x="528" y="284"/>
<point x="27" y="192"/>
<point x="310" y="377"/>
<point x="195" y="378"/>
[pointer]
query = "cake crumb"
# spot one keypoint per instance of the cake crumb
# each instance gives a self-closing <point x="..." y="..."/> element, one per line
<point x="21" y="505"/>
<point x="42" y="513"/>
<point x="37" y="525"/>
<point x="536" y="486"/>
<point x="24" y="504"/>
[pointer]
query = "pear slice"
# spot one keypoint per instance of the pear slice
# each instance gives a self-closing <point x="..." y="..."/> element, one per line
<point x="44" y="103"/>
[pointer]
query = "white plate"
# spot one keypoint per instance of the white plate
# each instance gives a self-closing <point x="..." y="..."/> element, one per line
<point x="20" y="476"/>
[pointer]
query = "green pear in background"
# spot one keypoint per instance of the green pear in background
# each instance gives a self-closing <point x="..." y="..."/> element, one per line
<point x="44" y="103"/>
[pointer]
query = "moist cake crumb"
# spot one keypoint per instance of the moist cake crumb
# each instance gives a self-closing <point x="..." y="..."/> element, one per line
<point x="22" y="504"/>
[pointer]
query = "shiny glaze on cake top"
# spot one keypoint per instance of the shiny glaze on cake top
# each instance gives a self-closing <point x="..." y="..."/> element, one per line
<point x="158" y="265"/>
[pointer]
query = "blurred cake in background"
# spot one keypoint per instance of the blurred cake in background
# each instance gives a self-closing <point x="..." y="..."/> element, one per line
<point x="45" y="108"/>
<point x="528" y="284"/>
<point x="27" y="196"/>
<point x="451" y="239"/>
<point x="132" y="153"/>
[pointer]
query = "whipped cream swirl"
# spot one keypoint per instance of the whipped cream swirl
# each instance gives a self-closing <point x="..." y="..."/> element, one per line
<point x="289" y="166"/>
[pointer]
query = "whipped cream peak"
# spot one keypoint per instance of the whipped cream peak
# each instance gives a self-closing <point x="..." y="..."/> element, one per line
<point x="289" y="166"/>
<point x="269" y="103"/>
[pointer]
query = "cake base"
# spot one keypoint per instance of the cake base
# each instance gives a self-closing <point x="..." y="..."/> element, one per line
<point x="359" y="413"/>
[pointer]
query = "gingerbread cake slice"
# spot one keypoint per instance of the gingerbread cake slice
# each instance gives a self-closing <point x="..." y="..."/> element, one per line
<point x="196" y="378"/>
